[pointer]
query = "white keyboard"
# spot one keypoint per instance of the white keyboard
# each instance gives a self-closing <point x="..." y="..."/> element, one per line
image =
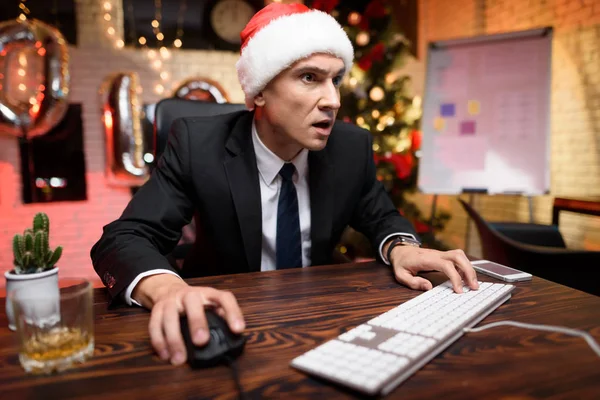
<point x="377" y="356"/>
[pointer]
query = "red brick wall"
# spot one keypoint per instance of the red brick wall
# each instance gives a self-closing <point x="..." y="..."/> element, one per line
<point x="77" y="225"/>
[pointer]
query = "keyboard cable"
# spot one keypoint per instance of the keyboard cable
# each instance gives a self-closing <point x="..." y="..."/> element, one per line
<point x="567" y="331"/>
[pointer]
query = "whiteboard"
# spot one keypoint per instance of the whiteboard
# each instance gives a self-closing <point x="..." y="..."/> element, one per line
<point x="486" y="115"/>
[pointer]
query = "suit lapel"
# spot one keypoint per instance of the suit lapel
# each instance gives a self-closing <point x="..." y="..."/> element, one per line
<point x="242" y="174"/>
<point x="320" y="175"/>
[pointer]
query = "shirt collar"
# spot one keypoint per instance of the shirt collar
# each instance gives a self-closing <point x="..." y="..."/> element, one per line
<point x="269" y="164"/>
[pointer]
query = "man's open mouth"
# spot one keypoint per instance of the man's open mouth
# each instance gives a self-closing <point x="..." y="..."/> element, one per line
<point x="323" y="124"/>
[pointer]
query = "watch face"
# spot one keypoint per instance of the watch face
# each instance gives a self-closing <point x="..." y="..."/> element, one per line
<point x="409" y="241"/>
<point x="229" y="17"/>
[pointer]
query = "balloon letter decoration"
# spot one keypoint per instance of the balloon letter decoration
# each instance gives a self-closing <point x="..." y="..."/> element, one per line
<point x="34" y="78"/>
<point x="124" y="139"/>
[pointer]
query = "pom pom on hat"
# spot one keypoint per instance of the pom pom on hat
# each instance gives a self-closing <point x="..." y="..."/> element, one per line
<point x="281" y="34"/>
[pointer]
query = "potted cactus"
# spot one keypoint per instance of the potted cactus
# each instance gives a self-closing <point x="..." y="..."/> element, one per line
<point x="34" y="261"/>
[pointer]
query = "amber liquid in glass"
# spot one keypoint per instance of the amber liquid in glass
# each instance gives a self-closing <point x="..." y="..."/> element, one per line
<point x="56" y="349"/>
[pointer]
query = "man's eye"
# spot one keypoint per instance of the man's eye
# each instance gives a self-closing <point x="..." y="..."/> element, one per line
<point x="337" y="81"/>
<point x="308" y="77"/>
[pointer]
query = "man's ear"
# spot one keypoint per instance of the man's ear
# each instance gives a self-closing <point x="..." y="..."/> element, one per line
<point x="259" y="100"/>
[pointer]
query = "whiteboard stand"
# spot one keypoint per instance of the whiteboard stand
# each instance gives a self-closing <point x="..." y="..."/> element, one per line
<point x="530" y="201"/>
<point x="433" y="207"/>
<point x="471" y="192"/>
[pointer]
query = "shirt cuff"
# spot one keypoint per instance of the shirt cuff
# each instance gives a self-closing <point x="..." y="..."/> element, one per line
<point x="388" y="237"/>
<point x="132" y="285"/>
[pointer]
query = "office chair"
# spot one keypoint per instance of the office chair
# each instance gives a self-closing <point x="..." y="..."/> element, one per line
<point x="168" y="110"/>
<point x="529" y="233"/>
<point x="165" y="113"/>
<point x="573" y="268"/>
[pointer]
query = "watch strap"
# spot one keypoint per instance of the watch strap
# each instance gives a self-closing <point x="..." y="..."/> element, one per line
<point x="401" y="241"/>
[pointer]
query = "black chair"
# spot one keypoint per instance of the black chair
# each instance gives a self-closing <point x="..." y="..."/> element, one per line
<point x="165" y="113"/>
<point x="168" y="110"/>
<point x="573" y="268"/>
<point x="536" y="234"/>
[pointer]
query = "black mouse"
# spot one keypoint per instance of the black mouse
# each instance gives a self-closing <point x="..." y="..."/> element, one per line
<point x="222" y="345"/>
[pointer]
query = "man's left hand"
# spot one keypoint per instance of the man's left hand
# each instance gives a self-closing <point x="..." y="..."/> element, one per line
<point x="408" y="261"/>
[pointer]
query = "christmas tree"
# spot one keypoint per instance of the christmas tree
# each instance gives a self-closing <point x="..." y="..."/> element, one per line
<point x="375" y="96"/>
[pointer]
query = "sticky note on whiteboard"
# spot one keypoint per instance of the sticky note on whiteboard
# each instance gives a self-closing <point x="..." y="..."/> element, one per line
<point x="439" y="124"/>
<point x="467" y="128"/>
<point x="447" y="110"/>
<point x="473" y="107"/>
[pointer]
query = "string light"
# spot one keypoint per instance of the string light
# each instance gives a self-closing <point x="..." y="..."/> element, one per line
<point x="354" y="18"/>
<point x="157" y="21"/>
<point x="363" y="38"/>
<point x="110" y="29"/>
<point x="156" y="29"/>
<point x="377" y="93"/>
<point x="164" y="52"/>
<point x="24" y="11"/>
<point x="180" y="18"/>
<point x="156" y="57"/>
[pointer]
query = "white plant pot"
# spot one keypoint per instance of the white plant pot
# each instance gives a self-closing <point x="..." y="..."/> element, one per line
<point x="43" y="301"/>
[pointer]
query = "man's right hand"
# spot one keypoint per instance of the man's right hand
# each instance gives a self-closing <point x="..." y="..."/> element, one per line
<point x="169" y="297"/>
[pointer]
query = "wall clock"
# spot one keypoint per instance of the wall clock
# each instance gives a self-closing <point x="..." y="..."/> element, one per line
<point x="229" y="17"/>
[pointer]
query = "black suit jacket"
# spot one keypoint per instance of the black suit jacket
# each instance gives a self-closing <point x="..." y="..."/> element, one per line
<point x="209" y="168"/>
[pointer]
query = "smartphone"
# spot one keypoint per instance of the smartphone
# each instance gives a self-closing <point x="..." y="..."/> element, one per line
<point x="500" y="271"/>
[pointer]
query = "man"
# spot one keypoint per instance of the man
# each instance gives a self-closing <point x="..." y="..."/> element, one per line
<point x="272" y="188"/>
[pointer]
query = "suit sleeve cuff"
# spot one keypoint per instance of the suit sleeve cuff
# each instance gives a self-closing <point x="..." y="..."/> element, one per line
<point x="388" y="237"/>
<point x="132" y="285"/>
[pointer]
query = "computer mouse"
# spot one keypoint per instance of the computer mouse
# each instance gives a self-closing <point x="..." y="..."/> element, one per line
<point x="222" y="345"/>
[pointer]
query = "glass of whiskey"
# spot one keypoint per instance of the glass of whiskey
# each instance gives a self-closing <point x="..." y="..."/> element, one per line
<point x="55" y="327"/>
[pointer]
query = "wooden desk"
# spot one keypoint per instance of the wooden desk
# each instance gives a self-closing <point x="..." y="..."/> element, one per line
<point x="582" y="206"/>
<point x="289" y="312"/>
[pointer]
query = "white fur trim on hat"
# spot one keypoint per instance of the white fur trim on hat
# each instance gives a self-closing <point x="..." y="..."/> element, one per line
<point x="286" y="40"/>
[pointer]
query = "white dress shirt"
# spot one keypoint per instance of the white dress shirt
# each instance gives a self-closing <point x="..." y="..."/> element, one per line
<point x="269" y="166"/>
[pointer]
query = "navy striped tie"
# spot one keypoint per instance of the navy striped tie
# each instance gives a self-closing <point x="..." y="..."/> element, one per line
<point x="289" y="244"/>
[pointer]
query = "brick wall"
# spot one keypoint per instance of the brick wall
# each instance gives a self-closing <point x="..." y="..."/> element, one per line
<point x="575" y="106"/>
<point x="77" y="225"/>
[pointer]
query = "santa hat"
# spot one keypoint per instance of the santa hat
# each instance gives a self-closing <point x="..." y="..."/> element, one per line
<point x="281" y="34"/>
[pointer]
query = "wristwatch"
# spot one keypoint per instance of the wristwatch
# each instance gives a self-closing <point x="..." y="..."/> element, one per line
<point x="401" y="241"/>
